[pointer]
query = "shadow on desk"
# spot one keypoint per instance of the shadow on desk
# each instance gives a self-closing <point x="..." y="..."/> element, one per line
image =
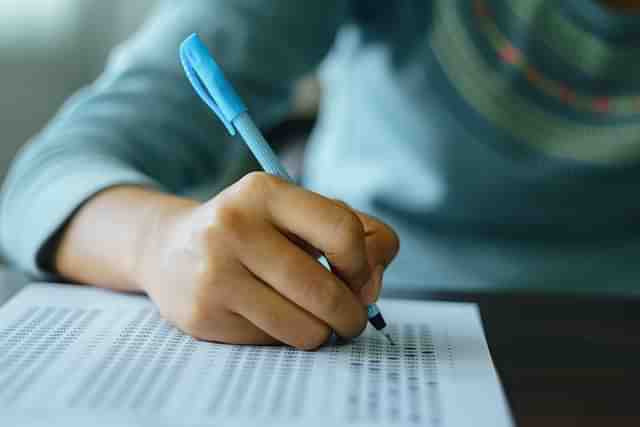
<point x="564" y="360"/>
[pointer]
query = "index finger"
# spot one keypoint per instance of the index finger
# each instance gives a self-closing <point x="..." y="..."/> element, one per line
<point x="325" y="224"/>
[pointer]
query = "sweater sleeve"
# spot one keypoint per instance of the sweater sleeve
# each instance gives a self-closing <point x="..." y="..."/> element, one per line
<point x="140" y="123"/>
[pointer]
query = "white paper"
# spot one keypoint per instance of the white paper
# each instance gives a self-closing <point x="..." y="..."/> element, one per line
<point x="82" y="356"/>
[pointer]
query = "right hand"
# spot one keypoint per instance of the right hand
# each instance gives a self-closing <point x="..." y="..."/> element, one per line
<point x="242" y="268"/>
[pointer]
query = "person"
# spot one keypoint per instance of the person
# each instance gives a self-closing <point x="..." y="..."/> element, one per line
<point x="499" y="139"/>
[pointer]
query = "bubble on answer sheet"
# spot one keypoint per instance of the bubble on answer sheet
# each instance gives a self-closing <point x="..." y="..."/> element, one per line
<point x="148" y="366"/>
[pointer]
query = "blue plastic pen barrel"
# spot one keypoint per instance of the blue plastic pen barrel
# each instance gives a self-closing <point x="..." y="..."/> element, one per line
<point x="216" y="91"/>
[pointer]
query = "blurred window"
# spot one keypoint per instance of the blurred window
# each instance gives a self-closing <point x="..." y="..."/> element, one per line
<point x="28" y="24"/>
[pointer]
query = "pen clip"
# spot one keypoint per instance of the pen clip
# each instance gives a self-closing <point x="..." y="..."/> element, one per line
<point x="209" y="82"/>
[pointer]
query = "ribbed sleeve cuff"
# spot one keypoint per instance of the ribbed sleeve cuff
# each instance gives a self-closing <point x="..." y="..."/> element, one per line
<point x="36" y="211"/>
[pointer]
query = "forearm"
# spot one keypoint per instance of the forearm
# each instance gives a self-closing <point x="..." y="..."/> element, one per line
<point x="141" y="123"/>
<point x="105" y="242"/>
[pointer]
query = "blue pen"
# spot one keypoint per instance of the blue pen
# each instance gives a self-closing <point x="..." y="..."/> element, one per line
<point x="211" y="85"/>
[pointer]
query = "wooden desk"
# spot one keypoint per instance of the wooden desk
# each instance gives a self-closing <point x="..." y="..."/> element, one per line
<point x="563" y="360"/>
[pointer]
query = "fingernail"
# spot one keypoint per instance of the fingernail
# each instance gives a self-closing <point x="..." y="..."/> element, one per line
<point x="371" y="291"/>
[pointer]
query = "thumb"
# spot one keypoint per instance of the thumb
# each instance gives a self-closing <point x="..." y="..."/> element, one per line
<point x="382" y="246"/>
<point x="381" y="240"/>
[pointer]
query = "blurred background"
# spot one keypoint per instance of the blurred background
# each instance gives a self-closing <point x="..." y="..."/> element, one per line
<point x="48" y="49"/>
<point x="51" y="48"/>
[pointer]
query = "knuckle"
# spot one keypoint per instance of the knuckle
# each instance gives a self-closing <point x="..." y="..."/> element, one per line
<point x="255" y="183"/>
<point x="349" y="231"/>
<point x="245" y="192"/>
<point x="231" y="220"/>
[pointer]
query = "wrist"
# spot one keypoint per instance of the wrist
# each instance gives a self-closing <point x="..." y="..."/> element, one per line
<point x="161" y="216"/>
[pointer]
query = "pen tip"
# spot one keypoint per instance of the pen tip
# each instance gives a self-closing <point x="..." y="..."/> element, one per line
<point x="389" y="339"/>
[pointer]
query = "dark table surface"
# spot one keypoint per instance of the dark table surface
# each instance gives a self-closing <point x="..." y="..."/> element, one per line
<point x="563" y="360"/>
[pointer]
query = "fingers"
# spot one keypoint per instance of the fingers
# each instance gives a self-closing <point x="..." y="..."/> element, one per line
<point x="198" y="298"/>
<point x="274" y="229"/>
<point x="239" y="308"/>
<point x="230" y="328"/>
<point x="277" y="316"/>
<point x="298" y="277"/>
<point x="325" y="224"/>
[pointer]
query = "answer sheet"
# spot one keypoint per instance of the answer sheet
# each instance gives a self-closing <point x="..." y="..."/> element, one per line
<point x="83" y="356"/>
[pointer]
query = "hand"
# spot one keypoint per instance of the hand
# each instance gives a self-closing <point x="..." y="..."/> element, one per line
<point x="242" y="268"/>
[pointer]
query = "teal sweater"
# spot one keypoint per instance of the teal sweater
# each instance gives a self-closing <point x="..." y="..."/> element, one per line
<point x="500" y="137"/>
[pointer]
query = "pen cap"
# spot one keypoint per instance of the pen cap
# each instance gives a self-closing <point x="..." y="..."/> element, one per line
<point x="209" y="81"/>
